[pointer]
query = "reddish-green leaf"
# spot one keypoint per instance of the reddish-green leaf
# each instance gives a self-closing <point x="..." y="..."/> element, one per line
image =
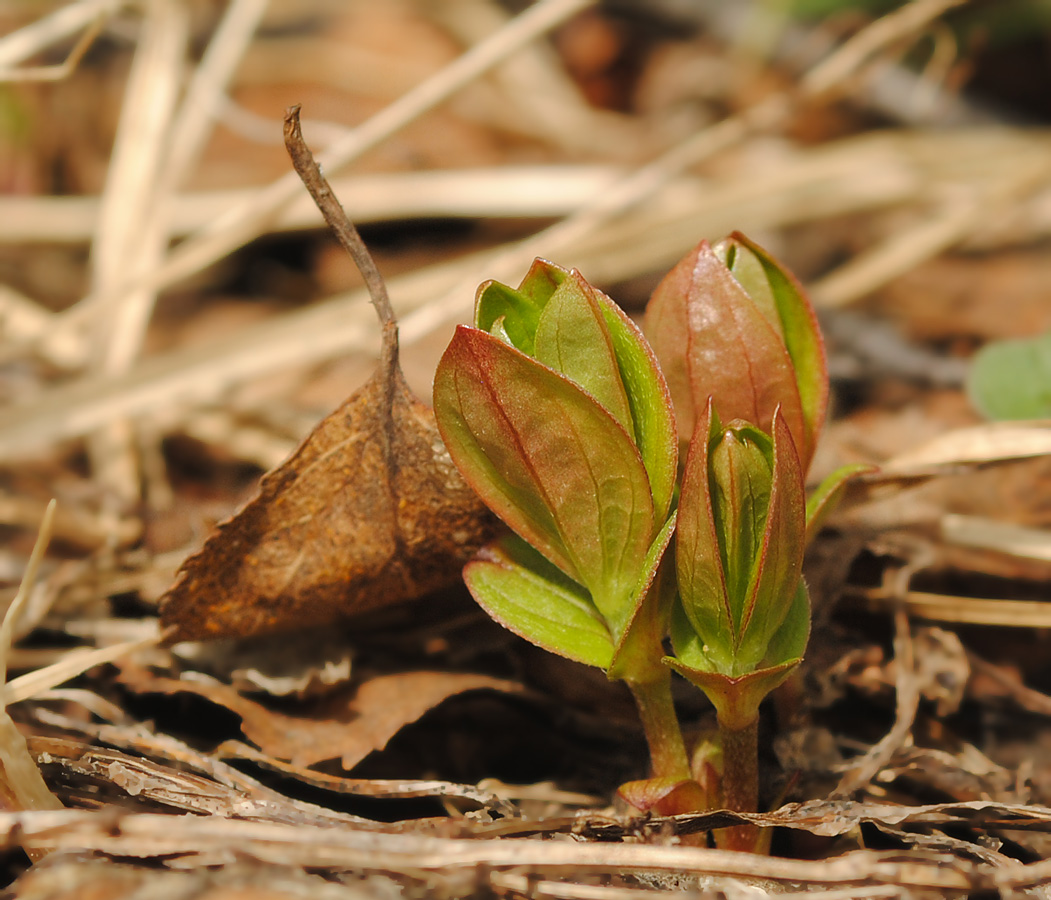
<point x="666" y="796"/>
<point x="551" y="462"/>
<point x="779" y="564"/>
<point x="802" y="337"/>
<point x="713" y="340"/>
<point x="698" y="557"/>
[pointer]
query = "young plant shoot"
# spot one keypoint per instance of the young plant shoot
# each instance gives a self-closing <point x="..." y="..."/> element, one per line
<point x="557" y="413"/>
<point x="740" y="344"/>
<point x="555" y="410"/>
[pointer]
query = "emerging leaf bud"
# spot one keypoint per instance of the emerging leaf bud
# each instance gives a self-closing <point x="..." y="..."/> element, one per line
<point x="743" y="618"/>
<point x="730" y="323"/>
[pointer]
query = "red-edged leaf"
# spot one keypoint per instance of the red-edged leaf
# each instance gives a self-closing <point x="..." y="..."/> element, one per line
<point x="549" y="461"/>
<point x="698" y="562"/>
<point x="740" y="478"/>
<point x="736" y="698"/>
<point x="802" y="337"/>
<point x="713" y="340"/>
<point x="650" y="401"/>
<point x="572" y="338"/>
<point x="780" y="563"/>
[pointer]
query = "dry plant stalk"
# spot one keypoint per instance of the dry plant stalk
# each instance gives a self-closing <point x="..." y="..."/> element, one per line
<point x="21" y="783"/>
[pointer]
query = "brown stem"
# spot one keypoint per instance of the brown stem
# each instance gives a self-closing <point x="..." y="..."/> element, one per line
<point x="741" y="783"/>
<point x="659" y="721"/>
<point x="310" y="174"/>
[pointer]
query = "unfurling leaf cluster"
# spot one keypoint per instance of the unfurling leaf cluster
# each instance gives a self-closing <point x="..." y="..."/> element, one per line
<point x="557" y="412"/>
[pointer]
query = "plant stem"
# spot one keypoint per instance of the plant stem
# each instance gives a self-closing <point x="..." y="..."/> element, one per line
<point x="659" y="721"/>
<point x="741" y="782"/>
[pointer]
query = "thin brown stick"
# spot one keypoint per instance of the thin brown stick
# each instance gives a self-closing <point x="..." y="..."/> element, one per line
<point x="347" y="235"/>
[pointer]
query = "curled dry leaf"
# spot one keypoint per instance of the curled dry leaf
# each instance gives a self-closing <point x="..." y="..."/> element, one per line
<point x="367" y="512"/>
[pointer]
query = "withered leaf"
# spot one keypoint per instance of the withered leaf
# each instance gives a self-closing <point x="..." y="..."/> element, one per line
<point x="367" y="512"/>
<point x="344" y="727"/>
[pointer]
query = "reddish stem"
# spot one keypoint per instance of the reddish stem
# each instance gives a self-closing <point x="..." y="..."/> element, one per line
<point x="741" y="783"/>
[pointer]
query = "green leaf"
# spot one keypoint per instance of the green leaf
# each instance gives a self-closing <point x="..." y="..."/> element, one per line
<point x="740" y="542"/>
<point x="826" y="496"/>
<point x="806" y="347"/>
<point x="736" y="697"/>
<point x="713" y="340"/>
<point x="690" y="648"/>
<point x="520" y="309"/>
<point x="698" y="555"/>
<point x="549" y="461"/>
<point x="789" y="641"/>
<point x="1012" y="379"/>
<point x="740" y="481"/>
<point x="779" y="564"/>
<point x="522" y="591"/>
<point x="650" y="402"/>
<point x="572" y="338"/>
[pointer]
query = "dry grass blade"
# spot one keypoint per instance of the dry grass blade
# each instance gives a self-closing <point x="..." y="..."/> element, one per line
<point x="63" y="22"/>
<point x="241" y="224"/>
<point x="21" y="781"/>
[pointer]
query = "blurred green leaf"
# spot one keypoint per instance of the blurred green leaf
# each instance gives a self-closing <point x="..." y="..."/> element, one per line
<point x="826" y="496"/>
<point x="1012" y="379"/>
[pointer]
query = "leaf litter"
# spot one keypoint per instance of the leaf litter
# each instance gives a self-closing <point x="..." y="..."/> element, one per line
<point x="257" y="833"/>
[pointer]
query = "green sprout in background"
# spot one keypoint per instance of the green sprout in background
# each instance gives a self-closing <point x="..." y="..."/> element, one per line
<point x="1011" y="379"/>
<point x="556" y="411"/>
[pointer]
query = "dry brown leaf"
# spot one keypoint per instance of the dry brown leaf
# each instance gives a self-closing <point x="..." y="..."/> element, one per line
<point x="348" y="730"/>
<point x="368" y="511"/>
